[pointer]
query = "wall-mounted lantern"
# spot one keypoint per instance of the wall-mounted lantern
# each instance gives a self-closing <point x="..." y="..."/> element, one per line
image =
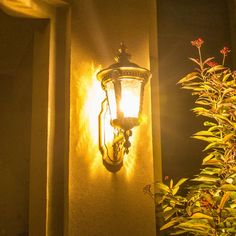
<point x="124" y="84"/>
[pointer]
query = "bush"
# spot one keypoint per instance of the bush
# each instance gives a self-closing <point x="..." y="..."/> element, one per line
<point x="207" y="205"/>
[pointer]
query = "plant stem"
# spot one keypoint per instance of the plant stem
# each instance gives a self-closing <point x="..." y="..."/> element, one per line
<point x="223" y="62"/>
<point x="200" y="58"/>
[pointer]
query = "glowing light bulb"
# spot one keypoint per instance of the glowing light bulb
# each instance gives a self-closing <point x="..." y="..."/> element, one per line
<point x="129" y="103"/>
<point x="130" y="98"/>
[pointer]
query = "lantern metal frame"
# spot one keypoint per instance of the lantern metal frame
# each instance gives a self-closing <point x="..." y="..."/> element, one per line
<point x="122" y="70"/>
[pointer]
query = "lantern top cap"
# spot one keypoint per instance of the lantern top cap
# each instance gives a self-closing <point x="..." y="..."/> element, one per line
<point x="123" y="58"/>
<point x="123" y="67"/>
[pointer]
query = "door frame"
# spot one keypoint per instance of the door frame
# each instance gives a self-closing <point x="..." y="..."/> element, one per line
<point x="48" y="186"/>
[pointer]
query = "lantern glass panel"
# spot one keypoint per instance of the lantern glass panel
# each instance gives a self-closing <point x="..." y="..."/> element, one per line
<point x="110" y="91"/>
<point x="129" y="104"/>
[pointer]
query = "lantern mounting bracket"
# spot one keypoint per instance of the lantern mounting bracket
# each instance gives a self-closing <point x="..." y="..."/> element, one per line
<point x="112" y="153"/>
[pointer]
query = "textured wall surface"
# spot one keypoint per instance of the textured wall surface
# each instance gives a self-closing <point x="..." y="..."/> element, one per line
<point x="103" y="203"/>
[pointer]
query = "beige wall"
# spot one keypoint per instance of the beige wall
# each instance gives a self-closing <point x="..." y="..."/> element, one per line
<point x="103" y="203"/>
<point x="100" y="203"/>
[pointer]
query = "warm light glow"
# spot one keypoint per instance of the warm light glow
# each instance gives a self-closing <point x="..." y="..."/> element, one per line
<point x="130" y="98"/>
<point x="94" y="96"/>
<point x="86" y="105"/>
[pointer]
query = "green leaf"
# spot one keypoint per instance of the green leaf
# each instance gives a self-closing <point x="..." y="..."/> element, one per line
<point x="230" y="211"/>
<point x="178" y="232"/>
<point x="204" y="132"/>
<point x="225" y="78"/>
<point x="175" y="190"/>
<point x="233" y="168"/>
<point x="168" y="208"/>
<point x="208" y="59"/>
<point x="169" y="214"/>
<point x="200" y="110"/>
<point x="194" y="60"/>
<point x="228" y="90"/>
<point x="181" y="181"/>
<point x="228" y="137"/>
<point x="216" y="127"/>
<point x="215" y="68"/>
<point x="188" y="87"/>
<point x="223" y="118"/>
<point x="162" y="187"/>
<point x="233" y="219"/>
<point x="196" y="226"/>
<point x="208" y="157"/>
<point x="198" y="89"/>
<point x="233" y="205"/>
<point x="224" y="200"/>
<point x="206" y="178"/>
<point x="207" y="139"/>
<point x="210" y="171"/>
<point x="212" y="145"/>
<point x="199" y="215"/>
<point x="203" y="102"/>
<point x="210" y="87"/>
<point x="230" y="99"/>
<point x="230" y="83"/>
<point x="213" y="162"/>
<point x="228" y="187"/>
<point x="188" y="78"/>
<point x="169" y="224"/>
<point x="208" y="123"/>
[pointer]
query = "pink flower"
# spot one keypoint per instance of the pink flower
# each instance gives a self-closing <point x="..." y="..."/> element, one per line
<point x="212" y="63"/>
<point x="225" y="51"/>
<point x="197" y="43"/>
<point x="166" y="177"/>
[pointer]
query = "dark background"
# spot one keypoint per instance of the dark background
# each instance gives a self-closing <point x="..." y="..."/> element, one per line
<point x="179" y="22"/>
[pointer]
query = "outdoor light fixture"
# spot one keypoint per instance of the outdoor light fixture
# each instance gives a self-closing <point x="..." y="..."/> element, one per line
<point x="124" y="84"/>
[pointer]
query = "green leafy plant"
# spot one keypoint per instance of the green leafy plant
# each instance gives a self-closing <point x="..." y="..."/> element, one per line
<point x="207" y="205"/>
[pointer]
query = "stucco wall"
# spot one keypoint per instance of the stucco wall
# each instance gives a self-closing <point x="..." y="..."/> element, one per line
<point x="103" y="203"/>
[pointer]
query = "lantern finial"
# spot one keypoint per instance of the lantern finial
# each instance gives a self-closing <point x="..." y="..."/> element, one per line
<point x="123" y="56"/>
